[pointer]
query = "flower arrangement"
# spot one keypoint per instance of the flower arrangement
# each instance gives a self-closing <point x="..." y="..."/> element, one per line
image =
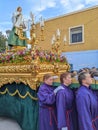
<point x="26" y="56"/>
<point x="48" y="56"/>
<point x="15" y="57"/>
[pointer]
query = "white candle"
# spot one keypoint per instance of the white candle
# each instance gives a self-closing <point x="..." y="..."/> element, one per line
<point x="64" y="39"/>
<point x="58" y="32"/>
<point x="53" y="40"/>
<point x="32" y="17"/>
<point x="34" y="35"/>
<point x="42" y="23"/>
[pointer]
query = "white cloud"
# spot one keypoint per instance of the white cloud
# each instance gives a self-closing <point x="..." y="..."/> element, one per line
<point x="80" y="6"/>
<point x="72" y="5"/>
<point x="65" y="2"/>
<point x="41" y="5"/>
<point x="38" y="7"/>
<point x="77" y="4"/>
<point x="91" y="1"/>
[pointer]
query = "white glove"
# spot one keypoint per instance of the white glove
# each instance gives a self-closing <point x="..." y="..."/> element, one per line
<point x="96" y="77"/>
<point x="57" y="89"/>
<point x="76" y="77"/>
<point x="65" y="128"/>
<point x="55" y="77"/>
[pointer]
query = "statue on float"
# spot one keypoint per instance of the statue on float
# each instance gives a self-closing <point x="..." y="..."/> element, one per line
<point x="18" y="22"/>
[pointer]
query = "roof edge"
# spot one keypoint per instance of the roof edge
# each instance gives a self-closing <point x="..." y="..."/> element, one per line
<point x="71" y="13"/>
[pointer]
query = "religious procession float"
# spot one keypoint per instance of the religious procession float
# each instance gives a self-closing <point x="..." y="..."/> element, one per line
<point x="22" y="70"/>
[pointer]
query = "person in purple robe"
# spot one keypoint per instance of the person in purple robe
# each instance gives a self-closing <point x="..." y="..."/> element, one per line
<point x="87" y="104"/>
<point x="65" y="102"/>
<point x="47" y="107"/>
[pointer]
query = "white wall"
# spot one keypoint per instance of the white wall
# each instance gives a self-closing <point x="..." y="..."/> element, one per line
<point x="82" y="59"/>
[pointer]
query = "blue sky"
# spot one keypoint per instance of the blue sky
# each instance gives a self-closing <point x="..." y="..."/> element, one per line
<point x="45" y="8"/>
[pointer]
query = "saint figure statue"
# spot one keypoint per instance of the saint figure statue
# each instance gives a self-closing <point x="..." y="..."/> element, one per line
<point x="18" y="21"/>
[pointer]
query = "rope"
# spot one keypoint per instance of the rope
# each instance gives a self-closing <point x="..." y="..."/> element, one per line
<point x="17" y="92"/>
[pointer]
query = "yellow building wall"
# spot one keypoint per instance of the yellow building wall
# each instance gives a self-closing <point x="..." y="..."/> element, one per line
<point x="87" y="18"/>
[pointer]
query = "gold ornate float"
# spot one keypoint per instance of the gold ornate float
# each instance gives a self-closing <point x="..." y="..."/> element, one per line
<point x="30" y="67"/>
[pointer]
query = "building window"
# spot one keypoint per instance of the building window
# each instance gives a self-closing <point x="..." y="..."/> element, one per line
<point x="76" y="35"/>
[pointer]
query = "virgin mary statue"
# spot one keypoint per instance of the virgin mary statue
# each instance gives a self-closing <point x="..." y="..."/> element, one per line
<point x="18" y="21"/>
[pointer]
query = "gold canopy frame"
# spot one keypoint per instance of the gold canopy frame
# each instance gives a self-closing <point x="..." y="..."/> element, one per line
<point x="31" y="74"/>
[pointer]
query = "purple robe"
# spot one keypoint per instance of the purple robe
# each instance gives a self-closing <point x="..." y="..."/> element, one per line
<point x="47" y="110"/>
<point x="65" y="102"/>
<point x="87" y="107"/>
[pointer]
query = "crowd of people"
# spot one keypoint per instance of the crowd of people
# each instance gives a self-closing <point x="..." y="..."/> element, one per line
<point x="64" y="109"/>
<point x="93" y="71"/>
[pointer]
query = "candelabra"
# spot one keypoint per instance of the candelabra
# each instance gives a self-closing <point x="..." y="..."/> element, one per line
<point x="33" y="39"/>
<point x="56" y="42"/>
